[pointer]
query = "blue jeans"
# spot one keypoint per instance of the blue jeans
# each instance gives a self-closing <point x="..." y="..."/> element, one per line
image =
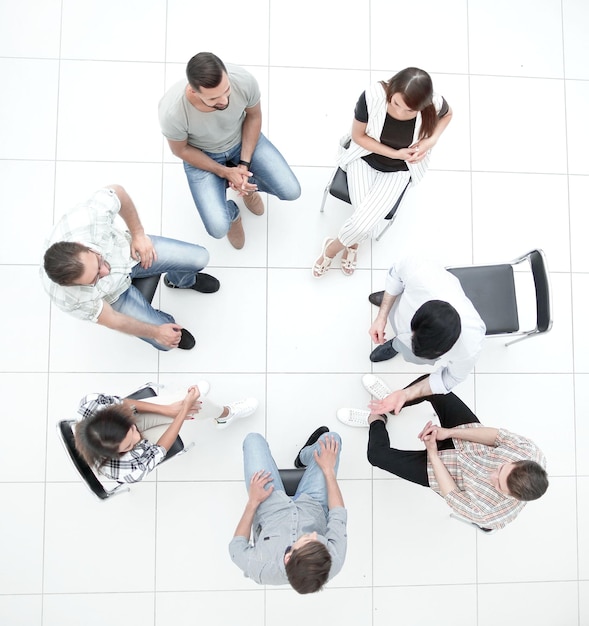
<point x="270" y="172"/>
<point x="181" y="261"/>
<point x="257" y="456"/>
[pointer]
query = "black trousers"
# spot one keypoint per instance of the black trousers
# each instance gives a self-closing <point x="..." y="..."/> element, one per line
<point x="412" y="464"/>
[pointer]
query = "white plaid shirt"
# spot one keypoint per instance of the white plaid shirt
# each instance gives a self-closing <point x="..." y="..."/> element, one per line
<point x="471" y="464"/>
<point x="132" y="466"/>
<point x="92" y="224"/>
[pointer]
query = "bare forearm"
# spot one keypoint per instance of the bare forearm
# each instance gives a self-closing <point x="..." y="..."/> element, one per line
<point x="169" y="437"/>
<point x="442" y="125"/>
<point x="197" y="158"/>
<point x="385" y="306"/>
<point x="250" y="133"/>
<point x="128" y="211"/>
<point x="419" y="390"/>
<point x="244" y="527"/>
<point x="484" y="434"/>
<point x="125" y="324"/>
<point x="334" y="495"/>
<point x="445" y="481"/>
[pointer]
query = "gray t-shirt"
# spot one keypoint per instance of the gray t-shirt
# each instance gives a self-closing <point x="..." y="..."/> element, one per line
<point x="215" y="131"/>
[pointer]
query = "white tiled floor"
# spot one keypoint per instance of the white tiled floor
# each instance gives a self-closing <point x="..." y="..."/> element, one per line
<point x="80" y="85"/>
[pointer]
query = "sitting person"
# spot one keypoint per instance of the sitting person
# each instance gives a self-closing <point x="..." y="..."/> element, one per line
<point x="396" y="124"/>
<point x="89" y="264"/>
<point x="485" y="474"/>
<point x="213" y="123"/>
<point x="301" y="540"/>
<point x="122" y="438"/>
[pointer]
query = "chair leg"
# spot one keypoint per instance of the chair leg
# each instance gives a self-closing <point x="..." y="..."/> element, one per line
<point x="384" y="230"/>
<point x="324" y="198"/>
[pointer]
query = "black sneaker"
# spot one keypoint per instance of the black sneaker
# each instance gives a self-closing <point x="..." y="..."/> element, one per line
<point x="383" y="352"/>
<point x="187" y="341"/>
<point x="205" y="283"/>
<point x="310" y="441"/>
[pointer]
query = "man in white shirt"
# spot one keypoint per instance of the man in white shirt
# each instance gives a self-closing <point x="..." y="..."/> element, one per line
<point x="432" y="319"/>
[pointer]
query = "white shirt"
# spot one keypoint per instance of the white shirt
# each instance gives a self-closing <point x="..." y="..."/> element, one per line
<point x="415" y="282"/>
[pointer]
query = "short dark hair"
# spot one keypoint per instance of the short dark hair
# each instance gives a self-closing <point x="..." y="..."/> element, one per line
<point x="205" y="69"/>
<point x="527" y="481"/>
<point x="436" y="327"/>
<point x="62" y="262"/>
<point x="308" y="567"/>
<point x="99" y="436"/>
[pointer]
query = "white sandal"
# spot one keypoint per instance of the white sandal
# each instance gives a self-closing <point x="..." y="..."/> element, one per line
<point x="321" y="268"/>
<point x="348" y="264"/>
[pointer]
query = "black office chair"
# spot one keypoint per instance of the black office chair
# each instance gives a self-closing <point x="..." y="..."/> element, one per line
<point x="90" y="477"/>
<point x="291" y="479"/>
<point x="491" y="289"/>
<point x="338" y="188"/>
<point x="147" y="286"/>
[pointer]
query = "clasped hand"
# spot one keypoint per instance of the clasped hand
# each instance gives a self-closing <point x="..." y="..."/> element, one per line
<point x="238" y="179"/>
<point x="143" y="251"/>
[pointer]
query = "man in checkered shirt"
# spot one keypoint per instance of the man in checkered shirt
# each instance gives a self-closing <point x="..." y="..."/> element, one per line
<point x="485" y="475"/>
<point x="89" y="264"/>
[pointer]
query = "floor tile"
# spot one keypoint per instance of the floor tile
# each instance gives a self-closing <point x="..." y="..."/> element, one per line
<point x="549" y="522"/>
<point x="114" y="108"/>
<point x="84" y="27"/>
<point x="66" y="566"/>
<point x="217" y="608"/>
<point x="577" y="99"/>
<point x="495" y="128"/>
<point x="324" y="33"/>
<point x="40" y="38"/>
<point x="581" y="336"/>
<point x="342" y="605"/>
<point x="221" y="31"/>
<point x="28" y="131"/>
<point x="578" y="191"/>
<point x="581" y="399"/>
<point x="98" y="608"/>
<point x="426" y="45"/>
<point x="21" y="610"/>
<point x="23" y="242"/>
<point x="404" y="514"/>
<point x="406" y="605"/>
<point x="575" y="16"/>
<point x="544" y="604"/>
<point x="21" y="538"/>
<point x="537" y="53"/>
<point x="583" y="525"/>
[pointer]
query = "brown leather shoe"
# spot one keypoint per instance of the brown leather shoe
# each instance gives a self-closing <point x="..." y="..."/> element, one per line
<point x="236" y="235"/>
<point x="254" y="203"/>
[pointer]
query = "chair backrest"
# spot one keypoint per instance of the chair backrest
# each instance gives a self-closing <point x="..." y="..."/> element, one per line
<point x="88" y="475"/>
<point x="491" y="289"/>
<point x="542" y="284"/>
<point x="291" y="479"/>
<point x="66" y="433"/>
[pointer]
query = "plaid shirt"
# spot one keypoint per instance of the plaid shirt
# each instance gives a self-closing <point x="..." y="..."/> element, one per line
<point x="470" y="465"/>
<point x="132" y="466"/>
<point x="91" y="224"/>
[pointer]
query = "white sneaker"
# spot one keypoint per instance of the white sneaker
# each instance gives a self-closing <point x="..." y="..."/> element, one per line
<point x="237" y="410"/>
<point x="203" y="388"/>
<point x="375" y="386"/>
<point x="354" y="417"/>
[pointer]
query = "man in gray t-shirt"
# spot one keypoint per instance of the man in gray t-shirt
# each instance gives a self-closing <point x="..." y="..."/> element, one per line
<point x="213" y="124"/>
<point x="299" y="540"/>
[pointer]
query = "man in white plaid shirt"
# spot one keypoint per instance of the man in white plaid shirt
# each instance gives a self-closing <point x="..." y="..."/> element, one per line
<point x="89" y="264"/>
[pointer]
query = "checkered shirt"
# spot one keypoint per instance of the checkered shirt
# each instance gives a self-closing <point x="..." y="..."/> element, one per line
<point x="132" y="466"/>
<point x="92" y="224"/>
<point x="470" y="465"/>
